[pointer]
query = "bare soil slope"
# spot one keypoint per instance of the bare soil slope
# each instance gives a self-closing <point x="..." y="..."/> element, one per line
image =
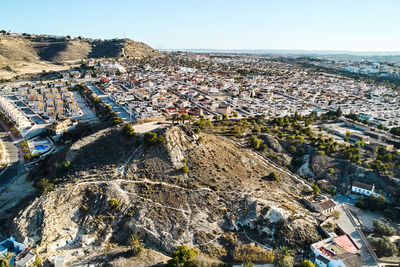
<point x="18" y="53"/>
<point x="226" y="192"/>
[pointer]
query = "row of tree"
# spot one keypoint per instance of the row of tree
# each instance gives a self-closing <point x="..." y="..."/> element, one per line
<point x="281" y="256"/>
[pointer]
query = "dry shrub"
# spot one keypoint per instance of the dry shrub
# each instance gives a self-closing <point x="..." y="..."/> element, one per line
<point x="289" y="207"/>
<point x="254" y="253"/>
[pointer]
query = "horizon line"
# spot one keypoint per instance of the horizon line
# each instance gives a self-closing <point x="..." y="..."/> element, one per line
<point x="282" y="50"/>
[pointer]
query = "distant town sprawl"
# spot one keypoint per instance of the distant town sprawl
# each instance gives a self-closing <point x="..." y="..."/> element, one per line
<point x="177" y="83"/>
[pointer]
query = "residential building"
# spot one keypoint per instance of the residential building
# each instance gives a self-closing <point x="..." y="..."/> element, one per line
<point x="363" y="189"/>
<point x="25" y="258"/>
<point x="14" y="114"/>
<point x="340" y="251"/>
<point x="320" y="204"/>
<point x="61" y="126"/>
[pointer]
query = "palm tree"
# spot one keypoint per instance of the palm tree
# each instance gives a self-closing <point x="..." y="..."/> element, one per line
<point x="175" y="117"/>
<point x="4" y="263"/>
<point x="7" y="256"/>
<point x="135" y="243"/>
<point x="284" y="257"/>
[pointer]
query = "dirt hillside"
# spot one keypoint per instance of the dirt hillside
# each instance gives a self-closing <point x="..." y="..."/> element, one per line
<point x="18" y="54"/>
<point x="225" y="195"/>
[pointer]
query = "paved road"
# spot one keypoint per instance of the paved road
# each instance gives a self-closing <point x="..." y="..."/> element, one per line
<point x="14" y="166"/>
<point x="346" y="223"/>
<point x="88" y="114"/>
<point x="107" y="99"/>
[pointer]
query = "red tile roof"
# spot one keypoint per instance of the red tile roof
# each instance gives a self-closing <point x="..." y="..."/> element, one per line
<point x="345" y="242"/>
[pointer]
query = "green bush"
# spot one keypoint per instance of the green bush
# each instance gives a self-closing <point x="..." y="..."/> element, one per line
<point x="255" y="142"/>
<point x="117" y="120"/>
<point x="395" y="131"/>
<point x="381" y="229"/>
<point x="44" y="186"/>
<point x="66" y="164"/>
<point x="238" y="130"/>
<point x="372" y="203"/>
<point x="263" y="147"/>
<point x="383" y="247"/>
<point x="151" y="138"/>
<point x="114" y="203"/>
<point x="182" y="257"/>
<point x="315" y="188"/>
<point x="352" y="153"/>
<point x="128" y="130"/>
<point x="307" y="263"/>
<point x="273" y="176"/>
<point x="160" y="139"/>
<point x="185" y="169"/>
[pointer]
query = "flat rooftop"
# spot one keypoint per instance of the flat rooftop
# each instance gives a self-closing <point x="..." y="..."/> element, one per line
<point x="346" y="243"/>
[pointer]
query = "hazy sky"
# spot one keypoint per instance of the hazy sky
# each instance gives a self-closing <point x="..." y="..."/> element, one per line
<point x="355" y="25"/>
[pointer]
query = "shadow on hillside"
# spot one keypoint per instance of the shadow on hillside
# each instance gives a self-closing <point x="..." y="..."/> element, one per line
<point x="108" y="48"/>
<point x="50" y="50"/>
<point x="109" y="150"/>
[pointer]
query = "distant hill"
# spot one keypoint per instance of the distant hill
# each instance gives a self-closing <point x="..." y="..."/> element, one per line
<point x="19" y="54"/>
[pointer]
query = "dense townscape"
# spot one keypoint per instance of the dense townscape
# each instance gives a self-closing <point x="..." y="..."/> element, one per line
<point x="312" y="166"/>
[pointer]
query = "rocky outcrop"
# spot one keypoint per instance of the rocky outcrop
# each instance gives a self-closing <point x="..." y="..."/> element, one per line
<point x="272" y="142"/>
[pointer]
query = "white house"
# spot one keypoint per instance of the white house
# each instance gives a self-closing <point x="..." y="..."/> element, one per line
<point x="363" y="189"/>
<point x="13" y="113"/>
<point x="25" y="258"/>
